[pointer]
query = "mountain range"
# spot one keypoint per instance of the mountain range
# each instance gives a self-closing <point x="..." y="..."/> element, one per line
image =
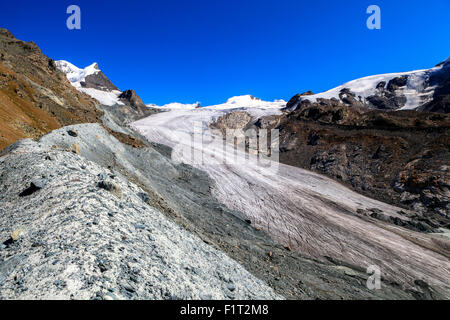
<point x="102" y="198"/>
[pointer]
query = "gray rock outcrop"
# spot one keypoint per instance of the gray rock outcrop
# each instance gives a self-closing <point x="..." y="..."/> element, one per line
<point x="84" y="232"/>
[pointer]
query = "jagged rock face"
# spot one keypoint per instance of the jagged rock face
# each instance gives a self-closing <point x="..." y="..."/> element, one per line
<point x="424" y="182"/>
<point x="136" y="105"/>
<point x="98" y="81"/>
<point x="35" y="97"/>
<point x="6" y="33"/>
<point x="398" y="157"/>
<point x="386" y="97"/>
<point x="232" y="120"/>
<point x="84" y="232"/>
<point x="441" y="97"/>
<point x="131" y="97"/>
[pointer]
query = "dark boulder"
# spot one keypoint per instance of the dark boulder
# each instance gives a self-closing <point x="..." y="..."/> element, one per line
<point x="129" y="97"/>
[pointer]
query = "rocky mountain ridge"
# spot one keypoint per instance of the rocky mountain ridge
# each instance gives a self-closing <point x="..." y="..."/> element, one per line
<point x="364" y="135"/>
<point x="422" y="90"/>
<point x="92" y="81"/>
<point x="35" y="97"/>
<point x="89" y="77"/>
<point x="106" y="200"/>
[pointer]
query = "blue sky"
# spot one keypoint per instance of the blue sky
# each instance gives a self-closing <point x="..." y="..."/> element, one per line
<point x="209" y="50"/>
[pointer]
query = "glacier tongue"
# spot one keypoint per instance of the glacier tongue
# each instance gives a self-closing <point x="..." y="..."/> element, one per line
<point x="306" y="211"/>
<point x="77" y="76"/>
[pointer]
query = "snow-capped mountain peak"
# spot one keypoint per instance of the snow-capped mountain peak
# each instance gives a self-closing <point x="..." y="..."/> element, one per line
<point x="91" y="81"/>
<point x="248" y="103"/>
<point x="244" y="99"/>
<point x="411" y="90"/>
<point x="77" y="75"/>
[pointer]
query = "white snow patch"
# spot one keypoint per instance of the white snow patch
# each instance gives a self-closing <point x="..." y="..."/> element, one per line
<point x="176" y="106"/>
<point x="254" y="106"/>
<point x="107" y="98"/>
<point x="77" y="75"/>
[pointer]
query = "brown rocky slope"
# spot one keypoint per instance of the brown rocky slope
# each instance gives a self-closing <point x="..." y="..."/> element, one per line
<point x="35" y="97"/>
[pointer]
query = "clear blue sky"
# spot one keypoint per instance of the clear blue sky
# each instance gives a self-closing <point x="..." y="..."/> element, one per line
<point x="209" y="50"/>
